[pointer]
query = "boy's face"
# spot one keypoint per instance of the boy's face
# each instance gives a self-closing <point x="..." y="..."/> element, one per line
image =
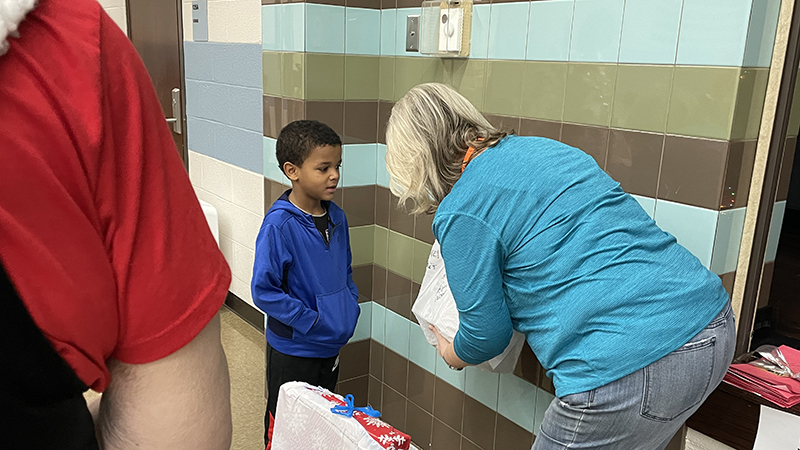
<point x="318" y="177"/>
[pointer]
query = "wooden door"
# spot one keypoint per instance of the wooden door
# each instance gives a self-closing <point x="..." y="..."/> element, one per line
<point x="156" y="30"/>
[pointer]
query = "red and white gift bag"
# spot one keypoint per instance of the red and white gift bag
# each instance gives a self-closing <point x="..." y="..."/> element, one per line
<point x="304" y="421"/>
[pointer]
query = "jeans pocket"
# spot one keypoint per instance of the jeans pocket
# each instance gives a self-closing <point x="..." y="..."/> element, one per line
<point x="581" y="400"/>
<point x="677" y="382"/>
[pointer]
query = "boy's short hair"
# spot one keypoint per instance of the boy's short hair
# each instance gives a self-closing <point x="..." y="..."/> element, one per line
<point x="299" y="138"/>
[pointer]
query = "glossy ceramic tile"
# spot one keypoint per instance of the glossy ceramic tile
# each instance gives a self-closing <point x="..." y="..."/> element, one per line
<point x="395" y="367"/>
<point x="325" y="27"/>
<point x="384" y="111"/>
<point x="713" y="32"/>
<point x="271" y="31"/>
<point x="420" y="386"/>
<point x="382" y="173"/>
<point x="400" y="254"/>
<point x="456" y="378"/>
<point x="359" y="205"/>
<point x="293" y="75"/>
<point x="381" y="245"/>
<point x="589" y="94"/>
<point x="363" y="31"/>
<point x="749" y="103"/>
<point x="508" y="26"/>
<point x="444" y="437"/>
<point x="378" y="322"/>
<point x="393" y="408"/>
<point x="479" y="423"/>
<point x="419" y="426"/>
<point x="506" y="123"/>
<point x="271" y="169"/>
<point x="503" y="86"/>
<point x="361" y="244"/>
<point x="641" y="98"/>
<point x="647" y="203"/>
<point x="379" y="275"/>
<point x="354" y="360"/>
<point x="423" y="229"/>
<point x="362" y="275"/>
<point x="543" y="400"/>
<point x="692" y="171"/>
<point x="271" y="73"/>
<point x="400" y="31"/>
<point x="592" y="140"/>
<point x="541" y="128"/>
<point x="544" y="89"/>
<point x="728" y="240"/>
<point x="420" y="352"/>
<point x="362" y="77"/>
<point x="422" y="251"/>
<point x="761" y="33"/>
<point x="358" y="388"/>
<point x="272" y="116"/>
<point x="293" y="29"/>
<point x="397" y="328"/>
<point x="516" y="400"/>
<point x="738" y="174"/>
<point x="398" y="294"/>
<point x="324" y="76"/>
<point x="468" y="77"/>
<point x="361" y="125"/>
<point x="650" y="31"/>
<point x="778" y="212"/>
<point x="376" y="351"/>
<point x="386" y="80"/>
<point x="400" y="221"/>
<point x="448" y="404"/>
<point x="388" y="26"/>
<point x="479" y="42"/>
<point x="702" y="102"/>
<point x="596" y="30"/>
<point x="510" y="436"/>
<point x="634" y="160"/>
<point x="693" y="227"/>
<point x="549" y="30"/>
<point x="410" y="72"/>
<point x="482" y="386"/>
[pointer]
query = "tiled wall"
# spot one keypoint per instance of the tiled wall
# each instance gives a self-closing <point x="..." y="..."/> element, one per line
<point x="116" y="9"/>
<point x="223" y="108"/>
<point x="665" y="95"/>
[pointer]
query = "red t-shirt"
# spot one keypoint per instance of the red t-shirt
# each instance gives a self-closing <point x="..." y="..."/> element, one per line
<point x="100" y="230"/>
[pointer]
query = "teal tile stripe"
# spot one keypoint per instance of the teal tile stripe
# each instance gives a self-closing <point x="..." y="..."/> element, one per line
<point x="696" y="32"/>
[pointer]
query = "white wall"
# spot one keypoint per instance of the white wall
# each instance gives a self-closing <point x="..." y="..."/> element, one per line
<point x="116" y="9"/>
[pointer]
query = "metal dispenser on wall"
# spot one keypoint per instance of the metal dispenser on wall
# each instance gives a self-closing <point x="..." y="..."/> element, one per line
<point x="445" y="28"/>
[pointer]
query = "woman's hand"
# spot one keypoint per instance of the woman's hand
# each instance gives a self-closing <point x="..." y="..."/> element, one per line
<point x="445" y="349"/>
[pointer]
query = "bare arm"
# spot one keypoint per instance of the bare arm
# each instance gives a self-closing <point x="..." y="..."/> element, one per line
<point x="179" y="402"/>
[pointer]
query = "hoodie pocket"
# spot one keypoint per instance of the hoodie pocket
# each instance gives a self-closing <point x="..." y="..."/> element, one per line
<point x="338" y="314"/>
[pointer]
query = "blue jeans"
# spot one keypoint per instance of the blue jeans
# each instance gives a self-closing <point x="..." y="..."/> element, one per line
<point x="645" y="409"/>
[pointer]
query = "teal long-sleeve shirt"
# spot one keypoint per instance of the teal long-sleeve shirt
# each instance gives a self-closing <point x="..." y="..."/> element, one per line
<point x="536" y="237"/>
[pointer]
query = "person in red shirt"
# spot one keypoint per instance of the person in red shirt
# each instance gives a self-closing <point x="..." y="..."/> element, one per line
<point x="109" y="276"/>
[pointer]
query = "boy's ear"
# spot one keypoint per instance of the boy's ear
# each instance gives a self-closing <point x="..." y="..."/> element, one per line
<point x="291" y="171"/>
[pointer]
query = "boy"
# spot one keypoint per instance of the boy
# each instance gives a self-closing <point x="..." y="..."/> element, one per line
<point x="302" y="277"/>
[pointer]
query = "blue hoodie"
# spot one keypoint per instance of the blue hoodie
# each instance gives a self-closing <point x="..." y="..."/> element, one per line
<point x="304" y="286"/>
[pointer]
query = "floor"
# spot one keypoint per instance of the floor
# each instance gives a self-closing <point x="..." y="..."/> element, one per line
<point x="245" y="348"/>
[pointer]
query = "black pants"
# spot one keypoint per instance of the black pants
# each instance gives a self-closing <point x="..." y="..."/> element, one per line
<point x="282" y="368"/>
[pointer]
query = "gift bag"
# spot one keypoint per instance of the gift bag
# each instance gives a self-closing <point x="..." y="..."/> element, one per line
<point x="435" y="306"/>
<point x="313" y="418"/>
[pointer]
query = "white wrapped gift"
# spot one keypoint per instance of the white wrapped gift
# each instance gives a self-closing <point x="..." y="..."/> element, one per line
<point x="436" y="306"/>
<point x="304" y="420"/>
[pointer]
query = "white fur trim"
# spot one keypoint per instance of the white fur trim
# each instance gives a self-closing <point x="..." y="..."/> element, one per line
<point x="12" y="12"/>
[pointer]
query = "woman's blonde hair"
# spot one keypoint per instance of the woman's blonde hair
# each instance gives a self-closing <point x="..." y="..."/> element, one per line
<point x="428" y="134"/>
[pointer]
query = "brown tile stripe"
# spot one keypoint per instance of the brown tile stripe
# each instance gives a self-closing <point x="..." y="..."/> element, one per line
<point x="435" y="414"/>
<point x="371" y="4"/>
<point x="707" y="173"/>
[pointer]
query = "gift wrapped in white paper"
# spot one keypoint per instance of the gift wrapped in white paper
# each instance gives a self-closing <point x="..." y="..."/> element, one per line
<point x="436" y="306"/>
<point x="304" y="421"/>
